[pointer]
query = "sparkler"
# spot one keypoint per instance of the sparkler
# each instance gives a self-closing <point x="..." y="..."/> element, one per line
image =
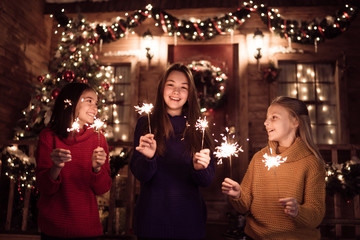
<point x="97" y="125"/>
<point x="146" y="108"/>
<point x="272" y="162"/>
<point x="202" y="124"/>
<point x="226" y="150"/>
<point x="75" y="126"/>
<point x="67" y="103"/>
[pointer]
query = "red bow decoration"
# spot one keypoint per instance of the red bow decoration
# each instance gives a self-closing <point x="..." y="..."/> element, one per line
<point x="270" y="74"/>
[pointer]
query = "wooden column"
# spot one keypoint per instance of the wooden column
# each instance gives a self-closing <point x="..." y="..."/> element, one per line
<point x="130" y="203"/>
<point x="337" y="197"/>
<point x="10" y="205"/>
<point x="27" y="193"/>
<point x="356" y="202"/>
<point x="111" y="207"/>
<point x="26" y="209"/>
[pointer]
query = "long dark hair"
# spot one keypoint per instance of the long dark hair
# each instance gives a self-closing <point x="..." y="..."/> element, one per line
<point x="298" y="109"/>
<point x="191" y="109"/>
<point x="63" y="113"/>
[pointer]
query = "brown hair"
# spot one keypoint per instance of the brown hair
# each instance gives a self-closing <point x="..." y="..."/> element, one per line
<point x="63" y="113"/>
<point x="191" y="109"/>
<point x="298" y="109"/>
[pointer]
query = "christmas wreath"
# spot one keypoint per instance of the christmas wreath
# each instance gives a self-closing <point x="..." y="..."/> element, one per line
<point x="210" y="83"/>
<point x="270" y="73"/>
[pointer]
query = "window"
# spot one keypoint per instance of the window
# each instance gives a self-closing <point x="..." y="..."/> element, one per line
<point x="118" y="108"/>
<point x="315" y="85"/>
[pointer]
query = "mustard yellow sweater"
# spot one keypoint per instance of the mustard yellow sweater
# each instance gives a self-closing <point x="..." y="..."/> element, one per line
<point x="302" y="176"/>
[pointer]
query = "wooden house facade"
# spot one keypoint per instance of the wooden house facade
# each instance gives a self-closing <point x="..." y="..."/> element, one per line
<point x="29" y="43"/>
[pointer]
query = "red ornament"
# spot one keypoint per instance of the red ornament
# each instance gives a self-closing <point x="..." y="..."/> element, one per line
<point x="84" y="81"/>
<point x="55" y="93"/>
<point x="106" y="86"/>
<point x="72" y="48"/>
<point x="68" y="76"/>
<point x="91" y="41"/>
<point x="41" y="79"/>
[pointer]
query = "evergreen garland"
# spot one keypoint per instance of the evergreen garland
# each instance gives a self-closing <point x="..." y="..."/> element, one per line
<point x="303" y="31"/>
<point x="343" y="178"/>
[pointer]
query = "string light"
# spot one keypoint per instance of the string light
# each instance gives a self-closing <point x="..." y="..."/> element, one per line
<point x="204" y="30"/>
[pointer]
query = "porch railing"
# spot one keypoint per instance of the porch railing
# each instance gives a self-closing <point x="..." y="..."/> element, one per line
<point x="341" y="216"/>
<point x="112" y="203"/>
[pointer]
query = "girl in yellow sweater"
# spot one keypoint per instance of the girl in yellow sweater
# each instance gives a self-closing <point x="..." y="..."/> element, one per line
<point x="287" y="201"/>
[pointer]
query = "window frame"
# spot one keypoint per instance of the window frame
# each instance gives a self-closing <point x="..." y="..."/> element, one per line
<point x="340" y="90"/>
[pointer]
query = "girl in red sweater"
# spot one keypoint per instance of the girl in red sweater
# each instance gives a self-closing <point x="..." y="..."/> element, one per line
<point x="72" y="168"/>
<point x="288" y="201"/>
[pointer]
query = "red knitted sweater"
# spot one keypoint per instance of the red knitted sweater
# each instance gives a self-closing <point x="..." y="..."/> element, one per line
<point x="68" y="206"/>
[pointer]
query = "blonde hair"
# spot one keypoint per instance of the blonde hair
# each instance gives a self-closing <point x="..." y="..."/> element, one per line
<point x="298" y="109"/>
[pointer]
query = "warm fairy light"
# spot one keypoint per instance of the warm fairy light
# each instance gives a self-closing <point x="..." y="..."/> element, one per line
<point x="273" y="161"/>
<point x="75" y="126"/>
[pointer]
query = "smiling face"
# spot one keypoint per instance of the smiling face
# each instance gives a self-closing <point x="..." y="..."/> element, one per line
<point x="176" y="91"/>
<point x="86" y="108"/>
<point x="280" y="125"/>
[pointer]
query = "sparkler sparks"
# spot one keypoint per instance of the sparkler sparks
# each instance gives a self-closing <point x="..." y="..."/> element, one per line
<point x="226" y="150"/>
<point x="146" y="108"/>
<point x="202" y="124"/>
<point x="97" y="125"/>
<point x="273" y="161"/>
<point x="67" y="103"/>
<point x="75" y="126"/>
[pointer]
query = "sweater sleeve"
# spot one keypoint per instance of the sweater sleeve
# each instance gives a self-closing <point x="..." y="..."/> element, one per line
<point x="312" y="211"/>
<point x="142" y="167"/>
<point x="243" y="203"/>
<point x="101" y="181"/>
<point x="205" y="176"/>
<point x="44" y="182"/>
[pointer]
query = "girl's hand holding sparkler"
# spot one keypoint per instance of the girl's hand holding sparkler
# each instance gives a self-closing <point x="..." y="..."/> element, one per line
<point x="60" y="156"/>
<point x="201" y="159"/>
<point x="231" y="188"/>
<point x="147" y="145"/>
<point x="291" y="207"/>
<point x="98" y="159"/>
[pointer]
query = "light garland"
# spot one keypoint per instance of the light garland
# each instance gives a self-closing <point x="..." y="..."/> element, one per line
<point x="302" y="32"/>
<point x="20" y="168"/>
<point x="343" y="178"/>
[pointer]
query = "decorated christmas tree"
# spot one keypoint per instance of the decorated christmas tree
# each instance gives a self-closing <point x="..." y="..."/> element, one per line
<point x="75" y="61"/>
